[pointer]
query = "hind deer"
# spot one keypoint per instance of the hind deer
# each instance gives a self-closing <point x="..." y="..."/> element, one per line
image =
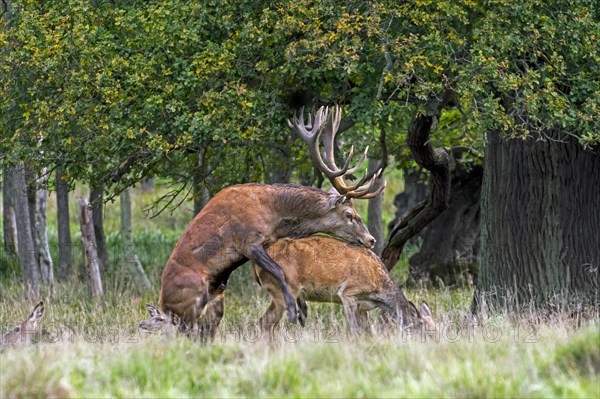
<point x="324" y="269"/>
<point x="168" y="324"/>
<point x="24" y="332"/>
<point x="240" y="221"/>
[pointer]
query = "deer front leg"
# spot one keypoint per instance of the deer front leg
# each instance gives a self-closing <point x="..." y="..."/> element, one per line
<point x="363" y="320"/>
<point x="262" y="259"/>
<point x="351" y="310"/>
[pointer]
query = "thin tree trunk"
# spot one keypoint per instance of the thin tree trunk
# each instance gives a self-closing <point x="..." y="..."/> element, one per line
<point x="90" y="253"/>
<point x="9" y="196"/>
<point x="9" y="221"/>
<point x="44" y="259"/>
<point x="97" y="205"/>
<point x="64" y="229"/>
<point x="200" y="192"/>
<point x="126" y="235"/>
<point x="540" y="238"/>
<point x="29" y="267"/>
<point x="147" y="185"/>
<point x="375" y="211"/>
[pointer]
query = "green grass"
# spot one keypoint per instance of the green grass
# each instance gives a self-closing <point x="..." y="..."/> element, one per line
<point x="105" y="356"/>
<point x="92" y="347"/>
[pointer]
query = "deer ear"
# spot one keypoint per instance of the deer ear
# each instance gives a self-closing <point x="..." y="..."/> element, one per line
<point x="37" y="313"/>
<point x="425" y="310"/>
<point x="152" y="310"/>
<point x="413" y="310"/>
<point x="337" y="200"/>
<point x="175" y="320"/>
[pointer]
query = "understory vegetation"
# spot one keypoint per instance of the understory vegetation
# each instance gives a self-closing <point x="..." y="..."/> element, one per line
<point x="92" y="348"/>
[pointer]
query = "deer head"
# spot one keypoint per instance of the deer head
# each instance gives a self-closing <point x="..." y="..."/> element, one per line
<point x="160" y="323"/>
<point x="25" y="332"/>
<point x="421" y="320"/>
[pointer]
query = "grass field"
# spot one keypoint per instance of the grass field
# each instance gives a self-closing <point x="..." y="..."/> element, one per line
<point x="92" y="347"/>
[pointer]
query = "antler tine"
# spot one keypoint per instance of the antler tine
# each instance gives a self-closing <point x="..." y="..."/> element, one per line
<point x="366" y="191"/>
<point x="375" y="193"/>
<point x="359" y="164"/>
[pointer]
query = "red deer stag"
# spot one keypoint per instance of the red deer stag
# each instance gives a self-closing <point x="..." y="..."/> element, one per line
<point x="324" y="269"/>
<point x="240" y="221"/>
<point x="24" y="332"/>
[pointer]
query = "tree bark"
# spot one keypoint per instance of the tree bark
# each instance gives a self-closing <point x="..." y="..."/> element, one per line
<point x="65" y="264"/>
<point x="375" y="211"/>
<point x="450" y="250"/>
<point x="29" y="268"/>
<point x="44" y="258"/>
<point x="540" y="239"/>
<point x="436" y="161"/>
<point x="90" y="253"/>
<point x="126" y="234"/>
<point x="9" y="221"/>
<point x="97" y="205"/>
<point x="200" y="192"/>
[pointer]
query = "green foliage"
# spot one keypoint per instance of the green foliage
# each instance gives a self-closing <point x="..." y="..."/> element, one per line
<point x="115" y="91"/>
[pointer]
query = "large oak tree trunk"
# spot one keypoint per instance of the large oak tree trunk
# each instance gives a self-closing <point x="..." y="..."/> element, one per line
<point x="64" y="229"/>
<point x="540" y="239"/>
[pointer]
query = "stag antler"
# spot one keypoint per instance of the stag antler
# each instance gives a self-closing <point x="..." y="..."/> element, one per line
<point x="310" y="134"/>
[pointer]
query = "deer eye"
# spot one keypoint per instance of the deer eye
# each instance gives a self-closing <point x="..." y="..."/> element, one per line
<point x="349" y="215"/>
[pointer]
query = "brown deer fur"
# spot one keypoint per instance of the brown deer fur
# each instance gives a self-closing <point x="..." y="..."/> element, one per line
<point x="235" y="226"/>
<point x="324" y="269"/>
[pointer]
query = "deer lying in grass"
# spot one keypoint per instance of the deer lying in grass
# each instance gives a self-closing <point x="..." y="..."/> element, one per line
<point x="324" y="269"/>
<point x="166" y="324"/>
<point x="240" y="221"/>
<point x="25" y="332"/>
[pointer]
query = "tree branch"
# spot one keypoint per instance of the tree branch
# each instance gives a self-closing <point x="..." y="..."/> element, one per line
<point x="436" y="161"/>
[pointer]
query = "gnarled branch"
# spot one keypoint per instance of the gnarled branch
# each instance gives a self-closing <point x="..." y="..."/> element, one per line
<point x="436" y="161"/>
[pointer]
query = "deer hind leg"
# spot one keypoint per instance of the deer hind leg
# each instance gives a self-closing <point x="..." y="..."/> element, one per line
<point x="272" y="317"/>
<point x="208" y="323"/>
<point x="302" y="311"/>
<point x="350" y="309"/>
<point x="263" y="260"/>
